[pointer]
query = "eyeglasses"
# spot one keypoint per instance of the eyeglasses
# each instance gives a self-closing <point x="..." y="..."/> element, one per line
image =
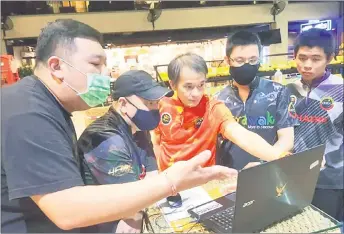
<point x="242" y="61"/>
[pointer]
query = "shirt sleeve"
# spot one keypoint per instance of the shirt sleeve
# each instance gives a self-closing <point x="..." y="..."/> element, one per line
<point x="283" y="118"/>
<point x="221" y="115"/>
<point x="111" y="162"/>
<point x="37" y="156"/>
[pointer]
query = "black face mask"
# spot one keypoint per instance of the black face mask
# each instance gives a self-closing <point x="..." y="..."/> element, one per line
<point x="245" y="74"/>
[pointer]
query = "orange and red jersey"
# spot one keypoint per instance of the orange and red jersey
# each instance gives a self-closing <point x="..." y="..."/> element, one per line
<point x="184" y="132"/>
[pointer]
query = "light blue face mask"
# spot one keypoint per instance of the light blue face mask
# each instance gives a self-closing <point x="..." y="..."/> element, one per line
<point x="98" y="88"/>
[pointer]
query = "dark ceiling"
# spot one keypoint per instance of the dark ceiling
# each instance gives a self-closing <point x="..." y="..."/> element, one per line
<point x="41" y="7"/>
<point x="160" y="37"/>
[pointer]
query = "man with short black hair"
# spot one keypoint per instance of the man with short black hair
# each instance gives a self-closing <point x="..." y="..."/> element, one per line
<point x="41" y="186"/>
<point x="258" y="104"/>
<point x="317" y="103"/>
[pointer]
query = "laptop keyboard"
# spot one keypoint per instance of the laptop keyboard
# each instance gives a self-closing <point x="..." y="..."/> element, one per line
<point x="224" y="219"/>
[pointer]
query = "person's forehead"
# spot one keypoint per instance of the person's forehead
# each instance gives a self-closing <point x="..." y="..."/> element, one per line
<point x="89" y="48"/>
<point x="245" y="50"/>
<point x="311" y="51"/>
<point x="188" y="75"/>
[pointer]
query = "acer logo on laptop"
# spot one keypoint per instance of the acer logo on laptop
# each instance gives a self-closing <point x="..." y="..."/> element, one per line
<point x="246" y="204"/>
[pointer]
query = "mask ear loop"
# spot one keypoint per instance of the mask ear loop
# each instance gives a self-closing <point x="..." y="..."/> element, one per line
<point x="122" y="112"/>
<point x="131" y="103"/>
<point x="66" y="83"/>
<point x="77" y="92"/>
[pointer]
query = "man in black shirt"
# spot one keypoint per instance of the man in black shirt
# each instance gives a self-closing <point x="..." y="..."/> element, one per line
<point x="41" y="186"/>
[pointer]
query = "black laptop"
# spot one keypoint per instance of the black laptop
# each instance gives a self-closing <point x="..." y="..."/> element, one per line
<point x="265" y="194"/>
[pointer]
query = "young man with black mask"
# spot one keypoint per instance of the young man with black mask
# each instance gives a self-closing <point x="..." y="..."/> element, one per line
<point x="258" y="104"/>
<point x="317" y="102"/>
<point x="108" y="146"/>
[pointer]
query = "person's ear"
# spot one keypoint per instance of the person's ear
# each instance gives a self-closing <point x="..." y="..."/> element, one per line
<point x="122" y="103"/>
<point x="226" y="58"/>
<point x="54" y="66"/>
<point x="173" y="85"/>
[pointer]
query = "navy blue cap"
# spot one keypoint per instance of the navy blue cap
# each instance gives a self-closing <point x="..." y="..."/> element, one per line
<point x="141" y="84"/>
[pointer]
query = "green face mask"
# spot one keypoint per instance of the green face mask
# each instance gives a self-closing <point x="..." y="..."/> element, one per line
<point x="98" y="88"/>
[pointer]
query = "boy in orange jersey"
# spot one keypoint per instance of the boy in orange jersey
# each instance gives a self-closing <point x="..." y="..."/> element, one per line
<point x="191" y="121"/>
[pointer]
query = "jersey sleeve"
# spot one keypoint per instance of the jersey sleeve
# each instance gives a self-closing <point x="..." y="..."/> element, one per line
<point x="220" y="116"/>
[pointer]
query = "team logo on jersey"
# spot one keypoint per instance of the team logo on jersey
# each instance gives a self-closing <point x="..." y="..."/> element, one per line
<point x="266" y="121"/>
<point x="292" y="103"/>
<point x="293" y="99"/>
<point x="120" y="170"/>
<point x="166" y="118"/>
<point x="326" y="103"/>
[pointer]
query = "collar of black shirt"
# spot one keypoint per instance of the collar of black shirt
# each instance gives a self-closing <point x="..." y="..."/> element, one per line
<point x="117" y="121"/>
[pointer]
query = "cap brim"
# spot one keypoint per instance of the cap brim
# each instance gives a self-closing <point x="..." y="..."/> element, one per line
<point x="155" y="93"/>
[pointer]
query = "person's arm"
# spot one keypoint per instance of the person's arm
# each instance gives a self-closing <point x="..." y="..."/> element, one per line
<point x="285" y="143"/>
<point x="40" y="165"/>
<point x="89" y="205"/>
<point x="285" y="140"/>
<point x="83" y="206"/>
<point x="245" y="139"/>
<point x="251" y="142"/>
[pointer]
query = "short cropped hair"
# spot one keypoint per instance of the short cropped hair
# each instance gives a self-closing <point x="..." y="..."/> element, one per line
<point x="316" y="37"/>
<point x="242" y="38"/>
<point x="61" y="34"/>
